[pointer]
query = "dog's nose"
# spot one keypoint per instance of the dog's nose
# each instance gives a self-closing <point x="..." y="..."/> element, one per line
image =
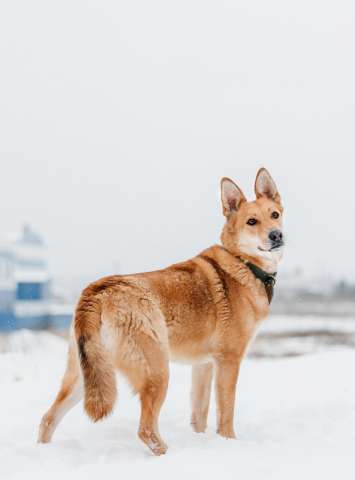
<point x="275" y="236"/>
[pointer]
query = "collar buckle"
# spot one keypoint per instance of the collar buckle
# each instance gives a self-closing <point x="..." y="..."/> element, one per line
<point x="268" y="279"/>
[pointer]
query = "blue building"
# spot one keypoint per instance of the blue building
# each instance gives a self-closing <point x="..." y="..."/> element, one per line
<point x="25" y="293"/>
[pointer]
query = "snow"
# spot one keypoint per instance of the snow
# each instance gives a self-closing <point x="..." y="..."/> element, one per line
<point x="295" y="419"/>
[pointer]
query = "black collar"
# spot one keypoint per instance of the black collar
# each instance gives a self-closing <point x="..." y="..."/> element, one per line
<point x="268" y="279"/>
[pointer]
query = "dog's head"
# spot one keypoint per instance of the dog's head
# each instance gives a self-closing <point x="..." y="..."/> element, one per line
<point x="253" y="230"/>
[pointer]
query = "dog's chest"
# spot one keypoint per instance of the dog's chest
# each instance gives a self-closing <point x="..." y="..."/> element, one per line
<point x="249" y="310"/>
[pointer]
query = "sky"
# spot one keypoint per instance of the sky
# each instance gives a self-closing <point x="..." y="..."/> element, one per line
<point x="118" y="119"/>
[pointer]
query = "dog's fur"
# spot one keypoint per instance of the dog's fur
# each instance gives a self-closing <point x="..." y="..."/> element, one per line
<point x="203" y="311"/>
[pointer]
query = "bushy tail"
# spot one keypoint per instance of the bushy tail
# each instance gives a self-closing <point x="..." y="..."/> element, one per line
<point x="96" y="362"/>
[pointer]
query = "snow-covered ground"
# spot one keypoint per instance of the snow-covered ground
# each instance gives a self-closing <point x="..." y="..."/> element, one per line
<point x="288" y="336"/>
<point x="295" y="419"/>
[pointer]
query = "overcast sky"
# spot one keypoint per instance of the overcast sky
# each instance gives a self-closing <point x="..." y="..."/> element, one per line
<point x="117" y="120"/>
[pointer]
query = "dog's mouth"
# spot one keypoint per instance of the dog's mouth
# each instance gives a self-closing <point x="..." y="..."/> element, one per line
<point x="274" y="248"/>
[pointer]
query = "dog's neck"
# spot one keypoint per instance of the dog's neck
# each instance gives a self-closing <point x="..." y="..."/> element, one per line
<point x="267" y="263"/>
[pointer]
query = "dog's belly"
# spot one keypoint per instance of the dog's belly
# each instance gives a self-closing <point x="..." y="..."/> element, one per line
<point x="190" y="360"/>
<point x="189" y="353"/>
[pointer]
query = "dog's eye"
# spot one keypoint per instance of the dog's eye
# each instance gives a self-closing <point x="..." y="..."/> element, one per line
<point x="275" y="215"/>
<point x="252" y="221"/>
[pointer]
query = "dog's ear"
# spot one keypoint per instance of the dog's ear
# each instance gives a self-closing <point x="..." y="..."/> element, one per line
<point x="231" y="195"/>
<point x="265" y="186"/>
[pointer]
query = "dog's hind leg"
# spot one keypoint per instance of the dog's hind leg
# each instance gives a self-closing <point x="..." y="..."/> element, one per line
<point x="200" y="395"/>
<point x="147" y="369"/>
<point x="152" y="396"/>
<point x="70" y="393"/>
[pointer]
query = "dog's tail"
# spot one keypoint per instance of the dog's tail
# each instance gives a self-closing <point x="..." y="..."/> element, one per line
<point x="95" y="360"/>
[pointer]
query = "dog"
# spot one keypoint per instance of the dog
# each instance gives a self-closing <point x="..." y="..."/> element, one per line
<point x="204" y="311"/>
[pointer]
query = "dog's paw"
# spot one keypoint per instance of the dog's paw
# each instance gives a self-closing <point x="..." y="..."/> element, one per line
<point x="198" y="427"/>
<point x="227" y="433"/>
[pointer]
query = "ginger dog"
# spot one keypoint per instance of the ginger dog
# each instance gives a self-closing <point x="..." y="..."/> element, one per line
<point x="203" y="311"/>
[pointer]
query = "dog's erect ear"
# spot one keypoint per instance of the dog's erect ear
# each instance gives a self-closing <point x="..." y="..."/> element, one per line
<point x="232" y="196"/>
<point x="265" y="186"/>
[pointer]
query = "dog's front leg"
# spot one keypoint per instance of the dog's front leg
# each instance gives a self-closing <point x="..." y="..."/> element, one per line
<point x="200" y="395"/>
<point x="227" y="369"/>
